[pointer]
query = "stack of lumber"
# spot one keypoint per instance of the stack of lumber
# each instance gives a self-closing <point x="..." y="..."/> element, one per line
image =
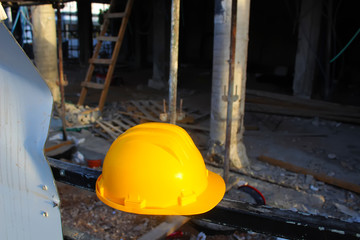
<point x="272" y="103"/>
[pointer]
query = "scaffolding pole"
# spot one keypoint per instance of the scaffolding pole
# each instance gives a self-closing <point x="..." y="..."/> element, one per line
<point x="174" y="53"/>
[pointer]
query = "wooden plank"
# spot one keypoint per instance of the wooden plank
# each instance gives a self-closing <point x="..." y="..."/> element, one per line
<point x="251" y="132"/>
<point x="311" y="109"/>
<point x="318" y="176"/>
<point x="153" y="109"/>
<point x="308" y="103"/>
<point x="107" y="130"/>
<point x="121" y="124"/>
<point x="187" y="126"/>
<point x="165" y="228"/>
<point x="131" y="122"/>
<point x="116" y="129"/>
<point x="272" y="109"/>
<point x="102" y="134"/>
<point x="160" y="107"/>
<point x="140" y="116"/>
<point x="92" y="85"/>
<point x="56" y="146"/>
<point x="107" y="38"/>
<point x="141" y="109"/>
<point x="104" y="61"/>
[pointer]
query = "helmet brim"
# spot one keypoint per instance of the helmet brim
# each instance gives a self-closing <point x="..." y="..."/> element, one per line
<point x="207" y="200"/>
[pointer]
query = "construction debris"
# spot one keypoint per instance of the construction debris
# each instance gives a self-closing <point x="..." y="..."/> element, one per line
<point x="165" y="228"/>
<point x="80" y="115"/>
<point x="269" y="135"/>
<point x="57" y="146"/>
<point x="266" y="102"/>
<point x="117" y="119"/>
<point x="318" y="176"/>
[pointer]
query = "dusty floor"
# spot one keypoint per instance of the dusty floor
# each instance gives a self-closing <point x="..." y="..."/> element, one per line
<point x="83" y="211"/>
<point x="328" y="147"/>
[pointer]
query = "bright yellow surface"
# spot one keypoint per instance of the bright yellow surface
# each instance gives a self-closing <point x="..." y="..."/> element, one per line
<point x="155" y="168"/>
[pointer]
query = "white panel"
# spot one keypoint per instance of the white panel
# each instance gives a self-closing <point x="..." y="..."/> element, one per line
<point x="28" y="197"/>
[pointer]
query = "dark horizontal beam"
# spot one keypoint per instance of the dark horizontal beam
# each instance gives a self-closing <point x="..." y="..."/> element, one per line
<point x="240" y="215"/>
<point x="74" y="174"/>
<point x="279" y="222"/>
<point x="40" y="2"/>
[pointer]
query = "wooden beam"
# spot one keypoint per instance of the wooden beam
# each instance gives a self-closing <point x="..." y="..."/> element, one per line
<point x="266" y="102"/>
<point x="92" y="85"/>
<point x="318" y="176"/>
<point x="56" y="146"/>
<point x="308" y="103"/>
<point x="165" y="228"/>
<point x="100" y="61"/>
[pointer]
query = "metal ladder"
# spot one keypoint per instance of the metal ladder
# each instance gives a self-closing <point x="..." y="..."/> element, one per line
<point x="111" y="62"/>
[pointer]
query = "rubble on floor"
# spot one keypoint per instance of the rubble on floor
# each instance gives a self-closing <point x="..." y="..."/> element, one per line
<point x="321" y="146"/>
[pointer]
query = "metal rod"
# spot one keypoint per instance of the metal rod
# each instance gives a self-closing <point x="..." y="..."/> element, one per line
<point x="164" y="105"/>
<point x="230" y="97"/>
<point x="181" y="105"/>
<point x="61" y="71"/>
<point x="174" y="53"/>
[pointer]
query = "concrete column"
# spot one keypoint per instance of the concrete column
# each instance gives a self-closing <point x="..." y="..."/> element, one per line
<point x="160" y="49"/>
<point x="308" y="40"/>
<point x="85" y="31"/>
<point x="44" y="45"/>
<point x="221" y="56"/>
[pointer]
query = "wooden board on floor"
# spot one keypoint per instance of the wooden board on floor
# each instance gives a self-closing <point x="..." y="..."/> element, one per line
<point x="165" y="228"/>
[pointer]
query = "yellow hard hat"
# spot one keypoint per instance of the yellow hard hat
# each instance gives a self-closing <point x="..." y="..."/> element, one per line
<point x="155" y="168"/>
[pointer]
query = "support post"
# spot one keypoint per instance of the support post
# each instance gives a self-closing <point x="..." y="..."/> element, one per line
<point x="329" y="68"/>
<point x="44" y="36"/>
<point x="222" y="26"/>
<point x="308" y="39"/>
<point x="174" y="53"/>
<point x="84" y="30"/>
<point x="159" y="46"/>
<point x="230" y="96"/>
<point x="61" y="70"/>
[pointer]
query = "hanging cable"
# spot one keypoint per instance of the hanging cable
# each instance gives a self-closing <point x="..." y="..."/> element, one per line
<point x="346" y="46"/>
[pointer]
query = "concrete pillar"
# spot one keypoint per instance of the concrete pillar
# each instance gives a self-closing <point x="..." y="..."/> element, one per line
<point x="140" y="18"/>
<point x="307" y="49"/>
<point x="44" y="46"/>
<point x="160" y="47"/>
<point x="85" y="31"/>
<point x="221" y="56"/>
